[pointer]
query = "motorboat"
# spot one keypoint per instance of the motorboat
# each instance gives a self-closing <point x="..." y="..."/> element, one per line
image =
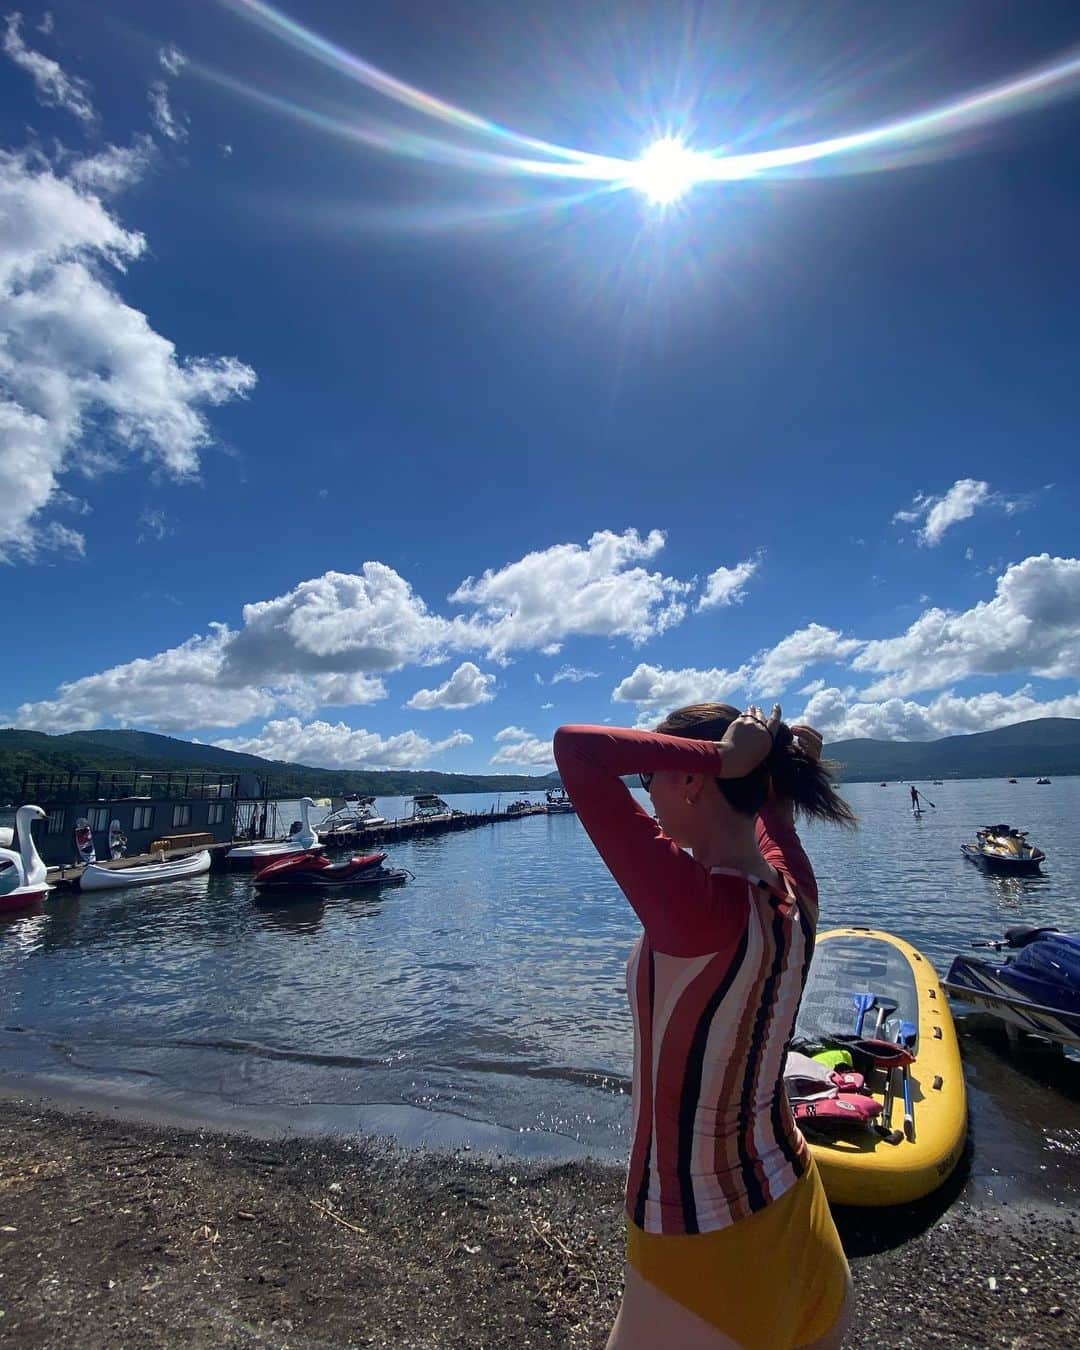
<point x="428" y="808"/>
<point x="351" y="815"/>
<point x="23" y="875"/>
<point x="95" y="877"/>
<point x="521" y="807"/>
<point x="1000" y="848"/>
<point x="301" y="840"/>
<point x="1042" y="782"/>
<point x="559" y="803"/>
<point x="315" y="871"/>
<point x="1036" y="988"/>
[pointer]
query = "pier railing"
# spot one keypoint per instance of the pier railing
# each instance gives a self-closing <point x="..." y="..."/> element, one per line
<point x="155" y="785"/>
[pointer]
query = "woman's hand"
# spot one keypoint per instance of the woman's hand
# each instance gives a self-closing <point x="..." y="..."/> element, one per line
<point x="809" y="741"/>
<point x="747" y="741"/>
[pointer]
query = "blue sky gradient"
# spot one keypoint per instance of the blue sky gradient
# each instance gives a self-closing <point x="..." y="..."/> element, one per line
<point x="442" y="457"/>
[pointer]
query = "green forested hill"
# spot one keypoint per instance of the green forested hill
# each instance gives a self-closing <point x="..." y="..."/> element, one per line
<point x="1048" y="745"/>
<point x="23" y="752"/>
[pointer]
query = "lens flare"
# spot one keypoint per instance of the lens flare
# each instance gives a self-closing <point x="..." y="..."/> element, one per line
<point x="667" y="169"/>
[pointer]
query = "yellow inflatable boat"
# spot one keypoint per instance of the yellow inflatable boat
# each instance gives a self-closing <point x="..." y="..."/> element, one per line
<point x="862" y="1167"/>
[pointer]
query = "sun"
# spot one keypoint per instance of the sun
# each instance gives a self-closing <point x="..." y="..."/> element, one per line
<point x="666" y="170"/>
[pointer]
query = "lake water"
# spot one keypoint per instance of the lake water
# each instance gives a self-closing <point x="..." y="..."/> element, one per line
<point x="483" y="1003"/>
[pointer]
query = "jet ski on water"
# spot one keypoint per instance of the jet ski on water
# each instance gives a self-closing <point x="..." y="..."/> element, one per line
<point x="1036" y="988"/>
<point x="315" y="872"/>
<point x="1001" y="849"/>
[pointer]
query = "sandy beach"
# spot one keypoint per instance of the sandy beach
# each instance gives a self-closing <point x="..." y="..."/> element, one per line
<point x="122" y="1234"/>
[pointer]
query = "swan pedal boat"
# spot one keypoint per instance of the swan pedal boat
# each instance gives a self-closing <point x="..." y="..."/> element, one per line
<point x="23" y="874"/>
<point x="98" y="878"/>
<point x="315" y="871"/>
<point x="304" y="841"/>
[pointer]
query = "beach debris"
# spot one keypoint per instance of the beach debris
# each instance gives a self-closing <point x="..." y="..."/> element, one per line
<point x="992" y="1282"/>
<point x="325" y="1209"/>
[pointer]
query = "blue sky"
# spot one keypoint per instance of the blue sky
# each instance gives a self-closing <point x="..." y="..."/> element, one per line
<point x="343" y="428"/>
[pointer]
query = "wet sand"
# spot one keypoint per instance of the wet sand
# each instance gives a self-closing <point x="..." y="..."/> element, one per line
<point x="125" y="1234"/>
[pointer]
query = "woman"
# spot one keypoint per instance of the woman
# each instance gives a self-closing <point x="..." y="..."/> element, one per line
<point x="729" y="1238"/>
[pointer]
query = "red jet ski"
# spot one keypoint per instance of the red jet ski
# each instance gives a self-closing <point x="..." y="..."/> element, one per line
<point x="315" y="871"/>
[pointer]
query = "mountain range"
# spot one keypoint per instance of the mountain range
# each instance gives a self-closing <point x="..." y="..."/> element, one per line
<point x="1048" y="745"/>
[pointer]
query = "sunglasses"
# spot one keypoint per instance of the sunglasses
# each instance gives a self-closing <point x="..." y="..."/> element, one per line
<point x="645" y="779"/>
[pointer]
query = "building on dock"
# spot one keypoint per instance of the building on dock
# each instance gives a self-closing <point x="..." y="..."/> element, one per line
<point x="155" y="810"/>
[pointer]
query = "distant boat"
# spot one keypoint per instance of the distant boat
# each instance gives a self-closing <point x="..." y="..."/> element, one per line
<point x="1042" y="782"/>
<point x="1012" y="780"/>
<point x="352" y="815"/>
<point x="428" y="808"/>
<point x="559" y="803"/>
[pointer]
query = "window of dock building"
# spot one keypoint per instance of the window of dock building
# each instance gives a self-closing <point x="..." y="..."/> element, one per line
<point x="55" y="823"/>
<point x="143" y="818"/>
<point x="98" y="817"/>
<point x="181" y="815"/>
<point x="216" y="814"/>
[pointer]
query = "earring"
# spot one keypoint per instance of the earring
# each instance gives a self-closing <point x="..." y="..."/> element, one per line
<point x="689" y="801"/>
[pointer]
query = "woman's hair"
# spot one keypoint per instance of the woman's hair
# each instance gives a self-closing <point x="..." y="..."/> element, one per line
<point x="792" y="774"/>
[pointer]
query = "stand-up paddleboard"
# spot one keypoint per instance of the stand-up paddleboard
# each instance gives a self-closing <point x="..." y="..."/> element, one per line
<point x="916" y="811"/>
<point x="862" y="1167"/>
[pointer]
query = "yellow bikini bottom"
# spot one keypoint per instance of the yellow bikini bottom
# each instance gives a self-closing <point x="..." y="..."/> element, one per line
<point x="775" y="1280"/>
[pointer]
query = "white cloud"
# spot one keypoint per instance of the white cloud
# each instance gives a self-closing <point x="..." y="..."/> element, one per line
<point x="658" y="691"/>
<point x="545" y="706"/>
<point x="519" y="746"/>
<point x="567" y="591"/>
<point x="845" y="714"/>
<point x="727" y="585"/>
<point x="76" y="361"/>
<point x="161" y="113"/>
<point x="47" y="23"/>
<point x="467" y="687"/>
<point x="113" y="169"/>
<point x="1031" y="624"/>
<point x="53" y="86"/>
<point x="172" y="59"/>
<point x="777" y="668"/>
<point x="337" y="746"/>
<point x="960" y="502"/>
<point x="574" y="675"/>
<point x="368" y="621"/>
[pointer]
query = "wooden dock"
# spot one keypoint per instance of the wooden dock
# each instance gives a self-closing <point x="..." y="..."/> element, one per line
<point x="66" y="878"/>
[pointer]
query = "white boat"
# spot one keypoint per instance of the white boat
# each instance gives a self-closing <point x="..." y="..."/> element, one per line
<point x="302" y="840"/>
<point x="22" y="874"/>
<point x="429" y="808"/>
<point x="559" y="803"/>
<point x="98" y="878"/>
<point x="351" y="815"/>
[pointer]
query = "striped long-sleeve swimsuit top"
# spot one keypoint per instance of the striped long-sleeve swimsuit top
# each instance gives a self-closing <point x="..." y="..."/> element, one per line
<point x="714" y="985"/>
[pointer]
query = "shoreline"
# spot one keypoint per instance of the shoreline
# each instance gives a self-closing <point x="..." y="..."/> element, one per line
<point x="148" y="1234"/>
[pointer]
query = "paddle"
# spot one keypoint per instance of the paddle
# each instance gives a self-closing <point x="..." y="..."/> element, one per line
<point x="863" y="1003"/>
<point x="908" y="1034"/>
<point x="885" y="1008"/>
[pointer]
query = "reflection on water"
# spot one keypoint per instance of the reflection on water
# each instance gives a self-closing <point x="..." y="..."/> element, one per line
<point x="490" y="989"/>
